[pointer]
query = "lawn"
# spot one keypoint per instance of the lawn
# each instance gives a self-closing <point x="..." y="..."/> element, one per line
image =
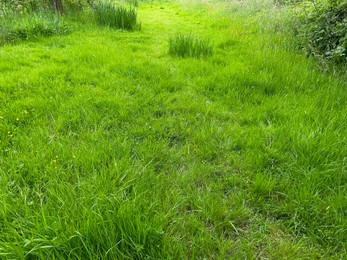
<point x="111" y="148"/>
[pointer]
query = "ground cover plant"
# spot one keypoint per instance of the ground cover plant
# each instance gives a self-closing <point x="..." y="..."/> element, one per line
<point x="110" y="148"/>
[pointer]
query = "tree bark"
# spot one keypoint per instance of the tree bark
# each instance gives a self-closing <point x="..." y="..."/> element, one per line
<point x="57" y="6"/>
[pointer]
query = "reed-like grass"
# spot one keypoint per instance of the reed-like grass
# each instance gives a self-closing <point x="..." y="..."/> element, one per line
<point x="119" y="17"/>
<point x="26" y="25"/>
<point x="189" y="46"/>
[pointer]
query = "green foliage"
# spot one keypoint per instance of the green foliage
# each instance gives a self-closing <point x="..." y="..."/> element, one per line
<point x="26" y="5"/>
<point x="135" y="3"/>
<point x="322" y="28"/>
<point x="37" y="5"/>
<point x="189" y="46"/>
<point x="20" y="24"/>
<point x="120" y="17"/>
<point x="75" y="5"/>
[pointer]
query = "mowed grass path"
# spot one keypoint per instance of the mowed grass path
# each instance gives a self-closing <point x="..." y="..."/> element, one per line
<point x="112" y="149"/>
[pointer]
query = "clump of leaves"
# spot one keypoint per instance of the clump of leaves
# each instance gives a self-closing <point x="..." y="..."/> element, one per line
<point x="189" y="46"/>
<point x="322" y="28"/>
<point x="119" y="17"/>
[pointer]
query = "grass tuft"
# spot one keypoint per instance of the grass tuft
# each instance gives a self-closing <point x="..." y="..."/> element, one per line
<point x="119" y="17"/>
<point x="189" y="46"/>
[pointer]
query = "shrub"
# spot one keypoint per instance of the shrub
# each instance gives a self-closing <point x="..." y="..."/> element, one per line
<point x="118" y="17"/>
<point x="189" y="46"/>
<point x="322" y="29"/>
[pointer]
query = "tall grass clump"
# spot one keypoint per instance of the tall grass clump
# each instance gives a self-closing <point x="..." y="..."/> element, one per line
<point x="119" y="17"/>
<point x="189" y="46"/>
<point x="26" y="25"/>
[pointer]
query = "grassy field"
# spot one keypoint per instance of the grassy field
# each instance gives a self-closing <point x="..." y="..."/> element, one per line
<point x="110" y="148"/>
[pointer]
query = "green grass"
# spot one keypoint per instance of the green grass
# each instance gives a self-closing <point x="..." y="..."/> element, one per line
<point x="112" y="149"/>
<point x="189" y="46"/>
<point x="119" y="17"/>
<point x="29" y="26"/>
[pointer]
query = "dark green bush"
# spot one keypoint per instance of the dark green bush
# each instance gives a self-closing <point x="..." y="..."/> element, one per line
<point x="322" y="29"/>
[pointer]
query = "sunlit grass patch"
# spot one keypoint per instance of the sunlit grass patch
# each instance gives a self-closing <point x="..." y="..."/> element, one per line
<point x="189" y="46"/>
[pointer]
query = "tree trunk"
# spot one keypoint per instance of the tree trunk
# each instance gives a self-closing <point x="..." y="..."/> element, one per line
<point x="57" y="6"/>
